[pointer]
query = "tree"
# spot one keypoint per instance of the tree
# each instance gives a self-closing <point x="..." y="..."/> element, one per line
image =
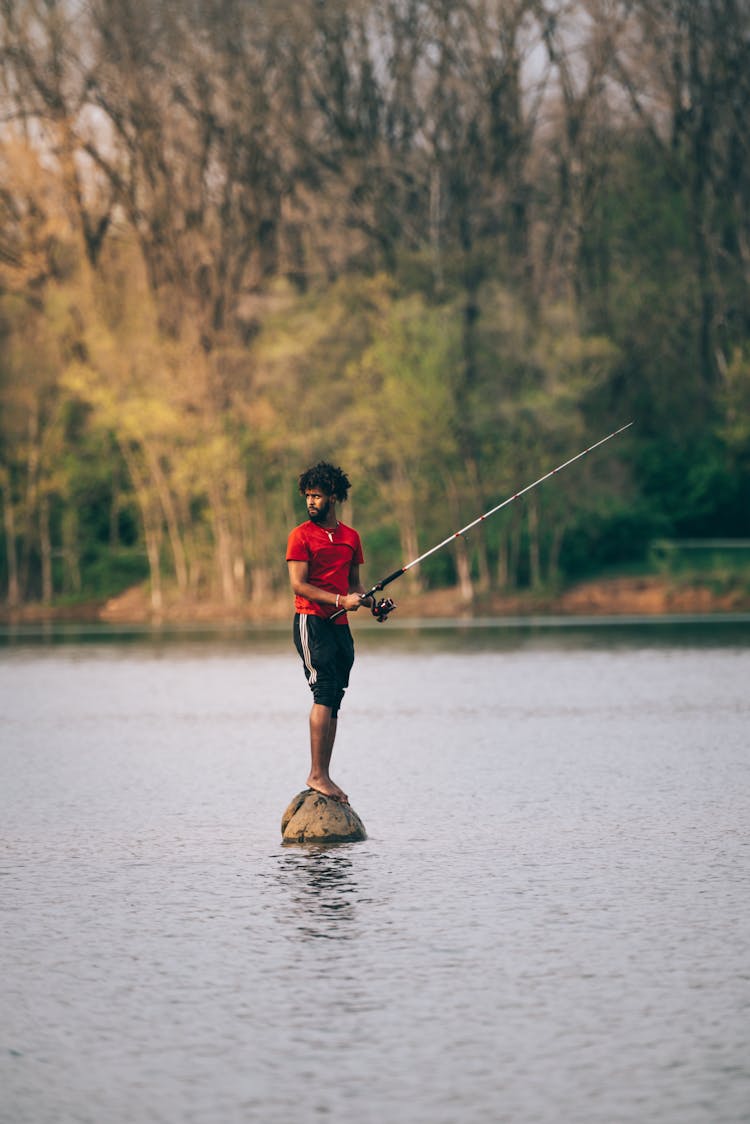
<point x="685" y="70"/>
<point x="404" y="432"/>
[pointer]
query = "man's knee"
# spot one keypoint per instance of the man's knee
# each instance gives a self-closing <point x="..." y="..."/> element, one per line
<point x="328" y="695"/>
<point x="324" y="694"/>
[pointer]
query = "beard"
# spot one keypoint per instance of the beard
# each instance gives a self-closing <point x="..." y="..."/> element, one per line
<point x="321" y="514"/>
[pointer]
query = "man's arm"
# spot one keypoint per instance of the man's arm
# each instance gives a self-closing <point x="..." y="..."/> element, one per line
<point x="380" y="609"/>
<point x="355" y="585"/>
<point x="298" y="576"/>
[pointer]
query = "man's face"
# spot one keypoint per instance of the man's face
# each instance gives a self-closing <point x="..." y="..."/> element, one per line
<point x="318" y="505"/>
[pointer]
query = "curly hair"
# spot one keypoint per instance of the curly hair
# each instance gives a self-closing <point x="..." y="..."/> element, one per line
<point x="330" y="480"/>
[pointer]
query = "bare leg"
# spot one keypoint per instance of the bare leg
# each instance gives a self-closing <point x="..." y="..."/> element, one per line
<point x="322" y="736"/>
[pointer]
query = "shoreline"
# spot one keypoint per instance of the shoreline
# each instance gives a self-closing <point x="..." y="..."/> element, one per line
<point x="648" y="596"/>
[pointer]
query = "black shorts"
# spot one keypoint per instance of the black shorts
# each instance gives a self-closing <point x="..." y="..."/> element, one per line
<point x="327" y="652"/>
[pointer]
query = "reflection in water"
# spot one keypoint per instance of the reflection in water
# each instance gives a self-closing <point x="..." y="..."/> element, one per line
<point x="320" y="889"/>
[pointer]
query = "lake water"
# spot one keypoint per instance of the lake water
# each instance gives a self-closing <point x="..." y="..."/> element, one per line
<point x="548" y="922"/>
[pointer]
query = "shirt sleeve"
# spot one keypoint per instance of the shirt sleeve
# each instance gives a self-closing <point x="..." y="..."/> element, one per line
<point x="297" y="549"/>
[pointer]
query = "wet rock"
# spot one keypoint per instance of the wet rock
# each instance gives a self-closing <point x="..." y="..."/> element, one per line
<point x="314" y="818"/>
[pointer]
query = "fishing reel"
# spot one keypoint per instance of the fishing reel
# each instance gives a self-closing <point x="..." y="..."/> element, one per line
<point x="380" y="609"/>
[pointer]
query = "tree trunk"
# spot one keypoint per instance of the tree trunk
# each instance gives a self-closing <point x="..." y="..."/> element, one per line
<point x="410" y="551"/>
<point x="463" y="568"/>
<point x="72" y="569"/>
<point x="45" y="548"/>
<point x="436" y="206"/>
<point x="503" y="561"/>
<point x="553" y="562"/>
<point x="224" y="549"/>
<point x="170" y="515"/>
<point x="153" y="552"/>
<point x="114" y="511"/>
<point x="407" y="528"/>
<point x="483" y="562"/>
<point x="480" y="542"/>
<point x="514" y="548"/>
<point x="262" y="584"/>
<point x="11" y="548"/>
<point x="535" y="570"/>
<point x="151" y="525"/>
<point x="32" y="499"/>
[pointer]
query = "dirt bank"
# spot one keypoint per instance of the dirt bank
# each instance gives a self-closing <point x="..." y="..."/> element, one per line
<point x="642" y="596"/>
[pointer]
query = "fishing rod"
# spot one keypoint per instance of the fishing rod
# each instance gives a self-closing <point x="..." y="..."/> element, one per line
<point x="480" y="519"/>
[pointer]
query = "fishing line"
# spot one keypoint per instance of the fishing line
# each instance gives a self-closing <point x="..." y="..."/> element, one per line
<point x="481" y="518"/>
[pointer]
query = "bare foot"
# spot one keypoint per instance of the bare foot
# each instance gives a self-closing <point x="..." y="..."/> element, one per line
<point x="326" y="787"/>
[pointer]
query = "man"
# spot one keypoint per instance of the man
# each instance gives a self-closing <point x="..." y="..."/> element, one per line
<point x="324" y="556"/>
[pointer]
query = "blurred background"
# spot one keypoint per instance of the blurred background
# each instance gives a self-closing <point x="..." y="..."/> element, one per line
<point x="444" y="245"/>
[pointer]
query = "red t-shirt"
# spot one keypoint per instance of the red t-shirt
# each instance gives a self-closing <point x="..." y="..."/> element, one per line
<point x="329" y="556"/>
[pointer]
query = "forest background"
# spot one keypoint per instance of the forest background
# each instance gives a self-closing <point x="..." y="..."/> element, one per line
<point x="446" y="245"/>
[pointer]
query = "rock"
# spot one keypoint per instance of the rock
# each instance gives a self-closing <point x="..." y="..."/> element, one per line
<point x="314" y="818"/>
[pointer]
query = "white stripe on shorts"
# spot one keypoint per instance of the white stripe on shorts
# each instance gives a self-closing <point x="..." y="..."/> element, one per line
<point x="306" y="648"/>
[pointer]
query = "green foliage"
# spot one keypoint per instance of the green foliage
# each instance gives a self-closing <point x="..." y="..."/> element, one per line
<point x="107" y="572"/>
<point x="735" y="428"/>
<point x="349" y="237"/>
<point x="613" y="537"/>
<point x="695" y="488"/>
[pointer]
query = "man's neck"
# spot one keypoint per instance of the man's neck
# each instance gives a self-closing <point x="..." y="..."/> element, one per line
<point x="330" y="523"/>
